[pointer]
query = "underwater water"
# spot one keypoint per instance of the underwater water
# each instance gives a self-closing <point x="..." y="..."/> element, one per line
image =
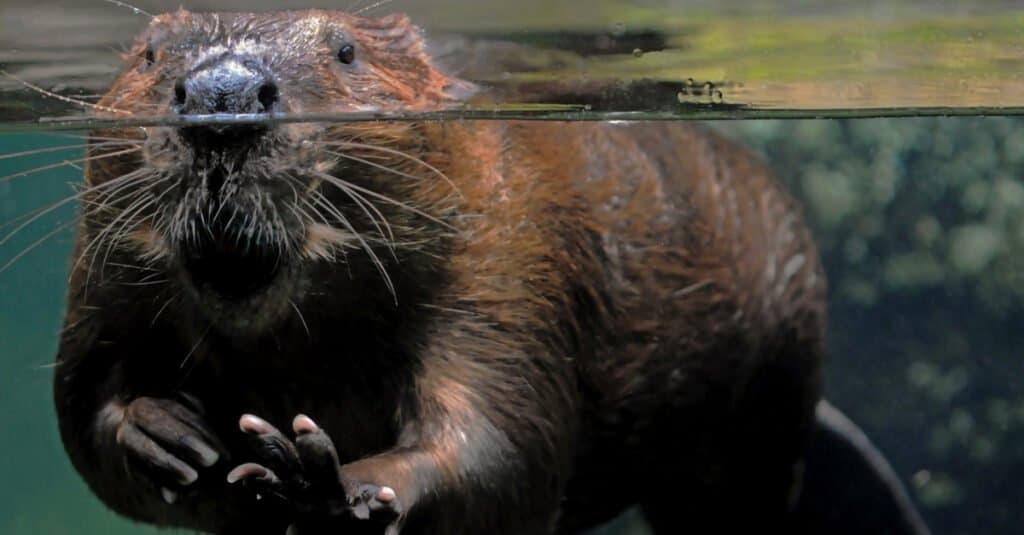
<point x="921" y="226"/>
<point x="920" y="220"/>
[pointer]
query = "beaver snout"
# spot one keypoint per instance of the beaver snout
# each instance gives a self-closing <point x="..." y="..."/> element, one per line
<point x="227" y="84"/>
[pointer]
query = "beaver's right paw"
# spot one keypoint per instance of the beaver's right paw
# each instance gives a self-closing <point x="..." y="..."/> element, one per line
<point x="165" y="442"/>
<point x="305" y="474"/>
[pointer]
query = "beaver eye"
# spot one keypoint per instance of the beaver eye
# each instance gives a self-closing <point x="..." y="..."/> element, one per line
<point x="150" y="57"/>
<point x="347" y="54"/>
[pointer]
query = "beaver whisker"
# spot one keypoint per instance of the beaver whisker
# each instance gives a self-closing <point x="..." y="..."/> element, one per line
<point x="341" y="183"/>
<point x="195" y="347"/>
<point x="164" y="307"/>
<point x="400" y="154"/>
<point x="314" y="247"/>
<point x="370" y="7"/>
<point x="127" y="140"/>
<point x="292" y="182"/>
<point x="332" y="210"/>
<point x="160" y="225"/>
<point x="263" y="234"/>
<point x="143" y="195"/>
<point x="30" y="213"/>
<point x="375" y="165"/>
<point x="109" y="200"/>
<point x="133" y="266"/>
<point x="321" y="200"/>
<point x="146" y="283"/>
<point x="125" y="218"/>
<point x="41" y="212"/>
<point x="131" y="222"/>
<point x="106" y="198"/>
<point x="301" y="318"/>
<point x="40" y="169"/>
<point x="366" y="206"/>
<point x="134" y="9"/>
<point x="63" y="98"/>
<point x="60" y="228"/>
<point x="46" y="150"/>
<point x="150" y="276"/>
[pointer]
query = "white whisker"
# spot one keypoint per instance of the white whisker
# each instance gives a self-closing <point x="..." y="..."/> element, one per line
<point x="301" y="318"/>
<point x="62" y="98"/>
<point x="371" y="7"/>
<point x="62" y="227"/>
<point x="44" y="151"/>
<point x="339" y="183"/>
<point x="64" y="163"/>
<point x="400" y="154"/>
<point x="134" y="9"/>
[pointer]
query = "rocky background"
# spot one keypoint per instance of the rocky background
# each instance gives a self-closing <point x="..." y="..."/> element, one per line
<point x="921" y="226"/>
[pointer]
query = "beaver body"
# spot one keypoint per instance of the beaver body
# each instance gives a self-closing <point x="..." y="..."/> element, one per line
<point x="493" y="327"/>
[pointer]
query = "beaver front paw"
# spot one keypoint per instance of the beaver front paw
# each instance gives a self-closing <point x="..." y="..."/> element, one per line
<point x="306" y="475"/>
<point x="165" y="442"/>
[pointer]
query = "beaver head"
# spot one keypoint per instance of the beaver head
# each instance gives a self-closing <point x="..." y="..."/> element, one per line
<point x="237" y="213"/>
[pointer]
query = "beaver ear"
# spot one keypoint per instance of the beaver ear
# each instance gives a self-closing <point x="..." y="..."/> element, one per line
<point x="400" y="48"/>
<point x="443" y="59"/>
<point x="452" y="88"/>
<point x="151" y="38"/>
<point x="460" y="90"/>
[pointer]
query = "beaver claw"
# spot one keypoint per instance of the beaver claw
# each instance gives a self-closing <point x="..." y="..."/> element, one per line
<point x="305" y="474"/>
<point x="372" y="500"/>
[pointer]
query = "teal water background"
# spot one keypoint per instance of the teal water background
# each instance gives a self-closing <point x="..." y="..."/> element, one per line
<point x="921" y="225"/>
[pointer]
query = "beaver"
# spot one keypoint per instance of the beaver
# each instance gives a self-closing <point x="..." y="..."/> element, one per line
<point x="462" y="327"/>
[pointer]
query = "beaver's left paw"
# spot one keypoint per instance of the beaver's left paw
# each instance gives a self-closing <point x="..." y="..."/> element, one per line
<point x="306" y="474"/>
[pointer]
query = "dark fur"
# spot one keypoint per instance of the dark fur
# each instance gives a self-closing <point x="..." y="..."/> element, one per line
<point x="591" y="316"/>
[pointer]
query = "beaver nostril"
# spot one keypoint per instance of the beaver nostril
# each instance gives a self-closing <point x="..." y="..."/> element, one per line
<point x="180" y="94"/>
<point x="268" y="96"/>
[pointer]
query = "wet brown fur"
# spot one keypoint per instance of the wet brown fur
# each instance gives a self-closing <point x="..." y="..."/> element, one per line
<point x="593" y="315"/>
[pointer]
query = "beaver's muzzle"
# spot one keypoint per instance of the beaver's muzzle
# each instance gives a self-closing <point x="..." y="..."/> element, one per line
<point x="228" y="84"/>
